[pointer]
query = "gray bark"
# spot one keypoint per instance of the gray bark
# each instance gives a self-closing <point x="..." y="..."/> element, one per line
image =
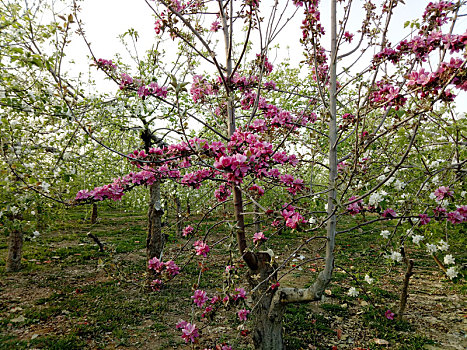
<point x="267" y="316"/>
<point x="15" y="246"/>
<point x="156" y="239"/>
<point x="94" y="213"/>
<point x="179" y="216"/>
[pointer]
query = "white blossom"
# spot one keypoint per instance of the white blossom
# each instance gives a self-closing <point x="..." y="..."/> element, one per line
<point x="312" y="220"/>
<point x="449" y="260"/>
<point x="399" y="185"/>
<point x="35" y="234"/>
<point x="368" y="279"/>
<point x="443" y="246"/>
<point x="376" y="197"/>
<point x="431" y="248"/>
<point x="45" y="187"/>
<point x="452" y="272"/>
<point x="385" y="234"/>
<point x="396" y="256"/>
<point x="14" y="210"/>
<point x="432" y="195"/>
<point x="353" y="292"/>
<point x="463" y="194"/>
<point x="417" y="239"/>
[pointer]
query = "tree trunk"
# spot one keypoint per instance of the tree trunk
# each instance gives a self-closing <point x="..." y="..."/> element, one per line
<point x="257" y="219"/>
<point x="188" y="209"/>
<point x="155" y="240"/>
<point x="405" y="288"/>
<point x="94" y="214"/>
<point x="179" y="216"/>
<point x="15" y="245"/>
<point x="267" y="316"/>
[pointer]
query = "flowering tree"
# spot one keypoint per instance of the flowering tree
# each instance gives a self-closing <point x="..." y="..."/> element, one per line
<point x="370" y="120"/>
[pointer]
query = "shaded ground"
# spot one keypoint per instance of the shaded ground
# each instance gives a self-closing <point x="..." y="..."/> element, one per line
<point x="70" y="296"/>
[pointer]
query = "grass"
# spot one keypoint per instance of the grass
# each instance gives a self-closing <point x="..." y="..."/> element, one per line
<point x="75" y="297"/>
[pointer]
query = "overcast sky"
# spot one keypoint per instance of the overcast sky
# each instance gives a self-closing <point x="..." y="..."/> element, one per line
<point x="104" y="20"/>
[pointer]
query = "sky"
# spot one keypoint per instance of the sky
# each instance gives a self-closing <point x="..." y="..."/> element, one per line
<point x="104" y="20"/>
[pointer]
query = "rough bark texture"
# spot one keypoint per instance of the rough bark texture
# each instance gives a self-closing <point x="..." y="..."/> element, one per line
<point x="156" y="239"/>
<point x="97" y="241"/>
<point x="179" y="216"/>
<point x="267" y="333"/>
<point x="15" y="245"/>
<point x="257" y="219"/>
<point x="405" y="288"/>
<point x="94" y="213"/>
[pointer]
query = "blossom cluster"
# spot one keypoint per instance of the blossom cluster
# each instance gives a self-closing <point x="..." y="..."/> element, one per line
<point x="292" y="217"/>
<point x="160" y="268"/>
<point x="244" y="154"/>
<point x="189" y="331"/>
<point x="436" y="14"/>
<point x="201" y="248"/>
<point x="200" y="88"/>
<point x="143" y="91"/>
<point x="106" y="64"/>
<point x="116" y="189"/>
<point x="388" y="95"/>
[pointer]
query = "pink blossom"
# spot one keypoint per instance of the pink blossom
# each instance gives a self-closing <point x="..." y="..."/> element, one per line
<point x="215" y="26"/>
<point x="199" y="298"/>
<point x="389" y="315"/>
<point x="348" y="37"/>
<point x="106" y="64"/>
<point x="172" y="268"/>
<point x="190" y="332"/>
<point x="443" y="192"/>
<point x="207" y="310"/>
<point x="424" y="219"/>
<point x="187" y="230"/>
<point x="222" y="193"/>
<point x="258" y="189"/>
<point x="241" y="294"/>
<point x="181" y="324"/>
<point x="389" y="213"/>
<point x="356" y="207"/>
<point x="275" y="285"/>
<point x="242" y="314"/>
<point x="439" y="211"/>
<point x="156" y="265"/>
<point x="270" y="85"/>
<point x="201" y="248"/>
<point x="83" y="194"/>
<point x="156" y="285"/>
<point x="125" y="81"/>
<point x="341" y="166"/>
<point x="259" y="237"/>
<point x="158" y="26"/>
<point x="455" y="217"/>
<point x="215" y="299"/>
